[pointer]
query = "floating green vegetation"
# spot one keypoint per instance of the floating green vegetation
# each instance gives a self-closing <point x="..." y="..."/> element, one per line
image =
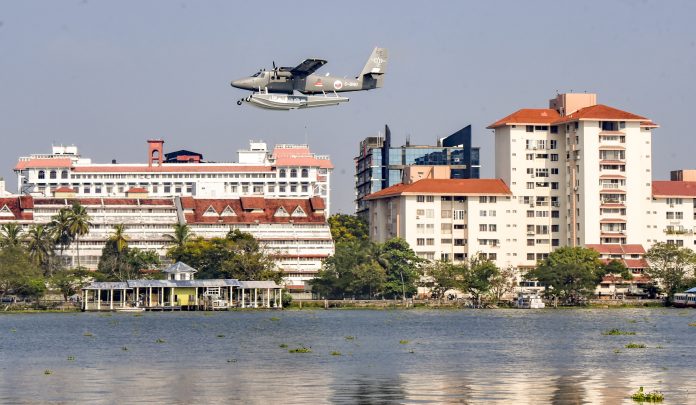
<point x="105" y="315"/>
<point x="160" y="340"/>
<point x="659" y="347"/>
<point x="137" y="315"/>
<point x="124" y="348"/>
<point x="350" y="337"/>
<point x="275" y="318"/>
<point x="692" y="324"/>
<point x="403" y="342"/>
<point x="231" y="360"/>
<point x="411" y="351"/>
<point x="48" y="372"/>
<point x="635" y="346"/>
<point x="632" y="321"/>
<point x="642" y="396"/>
<point x="616" y="332"/>
<point x="335" y="353"/>
<point x="71" y="358"/>
<point x="617" y="351"/>
<point x="301" y="349"/>
<point x="13" y="330"/>
<point x="88" y="334"/>
<point x="283" y="346"/>
<point x="220" y="335"/>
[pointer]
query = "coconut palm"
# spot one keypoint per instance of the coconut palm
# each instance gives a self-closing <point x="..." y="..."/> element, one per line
<point x="182" y="234"/>
<point x="40" y="243"/>
<point x="78" y="225"/>
<point x="60" y="224"/>
<point x="119" y="238"/>
<point x="10" y="235"/>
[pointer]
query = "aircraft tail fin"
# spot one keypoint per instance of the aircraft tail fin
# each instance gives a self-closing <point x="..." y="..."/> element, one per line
<point x="375" y="67"/>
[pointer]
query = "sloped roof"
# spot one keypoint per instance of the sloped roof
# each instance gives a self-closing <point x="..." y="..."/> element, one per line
<point x="170" y="168"/>
<point x="532" y="116"/>
<point x="613" y="249"/>
<point x="601" y="112"/>
<point x="17" y="207"/>
<point x="463" y="187"/>
<point x="264" y="211"/>
<point x="137" y="190"/>
<point x="252" y="203"/>
<point x="64" y="189"/>
<point x="179" y="267"/>
<point x="317" y="203"/>
<point x="674" y="189"/>
<point x="48" y="163"/>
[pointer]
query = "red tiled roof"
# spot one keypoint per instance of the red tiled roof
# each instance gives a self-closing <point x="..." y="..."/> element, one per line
<point x="104" y="201"/>
<point x="612" y="221"/>
<point x="139" y="190"/>
<point x="252" y="203"/>
<point x="317" y="203"/>
<point x="600" y="112"/>
<point x="612" y="176"/>
<point x="674" y="189"/>
<point x="530" y="116"/>
<point x="267" y="215"/>
<point x="649" y="124"/>
<point x="614" y="279"/>
<point x="474" y="187"/>
<point x="187" y="203"/>
<point x="48" y="163"/>
<point x="172" y="168"/>
<point x="617" y="249"/>
<point x="636" y="263"/>
<point x="17" y="207"/>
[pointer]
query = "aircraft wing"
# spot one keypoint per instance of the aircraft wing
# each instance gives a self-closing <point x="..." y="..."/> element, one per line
<point x="307" y="67"/>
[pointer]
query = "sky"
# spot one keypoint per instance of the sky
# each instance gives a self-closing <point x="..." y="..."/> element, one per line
<point x="107" y="75"/>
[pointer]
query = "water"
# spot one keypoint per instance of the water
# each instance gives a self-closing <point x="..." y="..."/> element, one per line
<point x="468" y="356"/>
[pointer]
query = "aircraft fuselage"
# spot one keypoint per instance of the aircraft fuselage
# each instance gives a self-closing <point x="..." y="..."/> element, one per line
<point x="312" y="84"/>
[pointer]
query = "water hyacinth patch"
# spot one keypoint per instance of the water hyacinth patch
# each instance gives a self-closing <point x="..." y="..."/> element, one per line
<point x="642" y="396"/>
<point x="635" y="346"/>
<point x="617" y="332"/>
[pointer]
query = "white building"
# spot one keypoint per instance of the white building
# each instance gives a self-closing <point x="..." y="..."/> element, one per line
<point x="289" y="171"/>
<point x="293" y="231"/>
<point x="672" y="215"/>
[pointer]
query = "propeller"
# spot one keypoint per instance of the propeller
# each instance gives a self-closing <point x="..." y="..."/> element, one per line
<point x="275" y="70"/>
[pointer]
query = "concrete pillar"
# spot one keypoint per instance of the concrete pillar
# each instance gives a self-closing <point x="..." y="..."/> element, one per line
<point x="111" y="299"/>
<point x="84" y="300"/>
<point x="256" y="297"/>
<point x="243" y="306"/>
<point x="98" y="300"/>
<point x="280" y="298"/>
<point x="268" y="297"/>
<point x="149" y="297"/>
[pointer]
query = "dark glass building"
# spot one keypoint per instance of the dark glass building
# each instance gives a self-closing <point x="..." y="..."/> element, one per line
<point x="380" y="165"/>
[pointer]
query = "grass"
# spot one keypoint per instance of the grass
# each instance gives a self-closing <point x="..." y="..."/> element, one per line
<point x="617" y="332"/>
<point x="642" y="396"/>
<point x="302" y="349"/>
<point x="283" y="346"/>
<point x="635" y="346"/>
<point x="403" y="342"/>
<point x="335" y="353"/>
<point x="160" y="340"/>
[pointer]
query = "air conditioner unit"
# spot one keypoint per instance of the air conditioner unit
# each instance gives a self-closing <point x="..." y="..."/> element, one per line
<point x="671" y="206"/>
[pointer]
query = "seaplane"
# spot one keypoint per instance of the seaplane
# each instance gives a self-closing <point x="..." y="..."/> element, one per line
<point x="290" y="88"/>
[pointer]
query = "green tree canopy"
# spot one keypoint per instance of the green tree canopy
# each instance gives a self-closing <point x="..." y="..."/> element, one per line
<point x="402" y="267"/>
<point x="351" y="271"/>
<point x="17" y="270"/>
<point x="79" y="223"/>
<point x="671" y="266"/>
<point x="10" y="235"/>
<point x="441" y="276"/>
<point x="348" y="228"/>
<point x="569" y="273"/>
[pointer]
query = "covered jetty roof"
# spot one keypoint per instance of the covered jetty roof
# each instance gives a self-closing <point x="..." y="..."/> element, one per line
<point x="228" y="282"/>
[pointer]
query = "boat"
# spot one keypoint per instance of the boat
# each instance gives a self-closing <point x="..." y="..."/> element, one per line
<point x="130" y="309"/>
<point x="685" y="299"/>
<point x="529" y="301"/>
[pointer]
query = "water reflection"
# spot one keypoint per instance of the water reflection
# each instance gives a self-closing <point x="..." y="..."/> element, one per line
<point x="502" y="357"/>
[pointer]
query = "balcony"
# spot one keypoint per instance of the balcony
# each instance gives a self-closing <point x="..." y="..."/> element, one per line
<point x="672" y="231"/>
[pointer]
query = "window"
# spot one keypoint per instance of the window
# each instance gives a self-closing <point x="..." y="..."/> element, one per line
<point x="430" y="198"/>
<point x="483" y="199"/>
<point x="446" y="229"/>
<point x="305" y="173"/>
<point x="529" y="128"/>
<point x="430" y="242"/>
<point x="420" y="242"/>
<point x="64" y="174"/>
<point x="459" y="242"/>
<point x="554" y="157"/>
<point x="53" y="174"/>
<point x="483" y="228"/>
<point x="293" y="172"/>
<point x="459" y="214"/>
<point x="530" y="256"/>
<point x="430" y="213"/>
<point x="530" y="185"/>
<point x="482" y="213"/>
<point x="492" y="227"/>
<point x="554" y="170"/>
<point x="554" y="130"/>
<point x="420" y="198"/>
<point x="445" y="214"/>
<point x="530" y="242"/>
<point x="446" y="241"/>
<point x="530" y="156"/>
<point x="281" y="173"/>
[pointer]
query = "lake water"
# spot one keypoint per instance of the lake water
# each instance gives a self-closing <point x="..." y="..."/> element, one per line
<point x="390" y="356"/>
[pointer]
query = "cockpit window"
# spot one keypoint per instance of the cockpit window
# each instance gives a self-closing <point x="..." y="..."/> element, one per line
<point x="257" y="74"/>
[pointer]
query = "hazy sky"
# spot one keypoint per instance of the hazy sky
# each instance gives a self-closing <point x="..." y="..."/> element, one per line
<point x="108" y="75"/>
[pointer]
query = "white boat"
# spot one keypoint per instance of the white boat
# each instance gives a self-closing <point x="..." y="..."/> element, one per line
<point x="130" y="309"/>
<point x="529" y="301"/>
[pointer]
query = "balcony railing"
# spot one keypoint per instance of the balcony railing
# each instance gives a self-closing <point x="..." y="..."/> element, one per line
<point x="669" y="231"/>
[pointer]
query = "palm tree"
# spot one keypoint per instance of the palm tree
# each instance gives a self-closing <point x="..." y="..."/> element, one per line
<point x="182" y="234"/>
<point x="11" y="235"/>
<point x="119" y="238"/>
<point x="40" y="245"/>
<point x="60" y="224"/>
<point x="78" y="225"/>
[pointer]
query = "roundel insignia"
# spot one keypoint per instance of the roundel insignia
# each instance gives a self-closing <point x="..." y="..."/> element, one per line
<point x="338" y="85"/>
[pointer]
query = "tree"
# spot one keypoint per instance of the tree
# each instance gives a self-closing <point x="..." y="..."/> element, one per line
<point x="182" y="235"/>
<point x="402" y="267"/>
<point x="115" y="265"/>
<point x="348" y="228"/>
<point x="617" y="267"/>
<point x="40" y="244"/>
<point x="60" y="225"/>
<point x="503" y="283"/>
<point x="16" y="269"/>
<point x="69" y="282"/>
<point x="119" y="238"/>
<point x="569" y="273"/>
<point x="479" y="278"/>
<point x="442" y="276"/>
<point x="10" y="235"/>
<point x="78" y="225"/>
<point x="33" y="288"/>
<point x="670" y="265"/>
<point x="351" y="271"/>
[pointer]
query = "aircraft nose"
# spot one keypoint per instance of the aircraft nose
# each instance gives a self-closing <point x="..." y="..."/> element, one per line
<point x="240" y="84"/>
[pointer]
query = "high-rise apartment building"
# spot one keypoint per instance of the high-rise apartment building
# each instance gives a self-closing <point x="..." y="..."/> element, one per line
<point x="380" y="165"/>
